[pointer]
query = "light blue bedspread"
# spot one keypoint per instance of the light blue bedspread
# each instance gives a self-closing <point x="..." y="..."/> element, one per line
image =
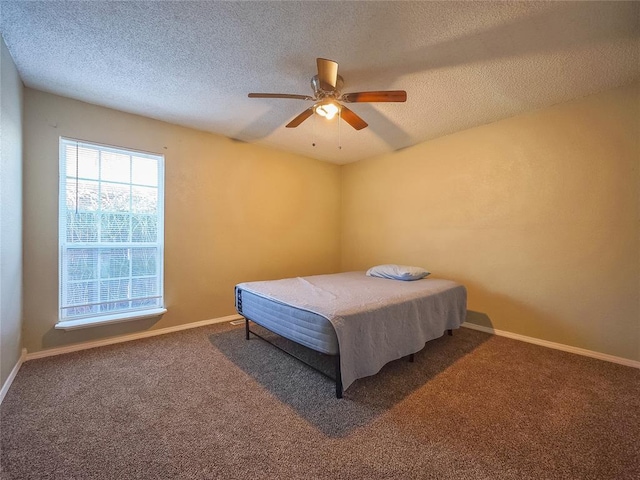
<point x="376" y="320"/>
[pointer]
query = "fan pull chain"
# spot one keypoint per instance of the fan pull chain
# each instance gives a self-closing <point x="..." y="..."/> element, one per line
<point x="313" y="138"/>
<point x="340" y="129"/>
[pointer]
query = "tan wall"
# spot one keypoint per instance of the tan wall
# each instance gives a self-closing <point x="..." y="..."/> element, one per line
<point x="538" y="215"/>
<point x="10" y="214"/>
<point x="233" y="212"/>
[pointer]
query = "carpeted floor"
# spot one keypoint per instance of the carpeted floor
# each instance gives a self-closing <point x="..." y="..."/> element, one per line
<point x="205" y="403"/>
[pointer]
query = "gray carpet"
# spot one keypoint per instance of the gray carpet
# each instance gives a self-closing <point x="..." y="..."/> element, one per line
<point x="205" y="403"/>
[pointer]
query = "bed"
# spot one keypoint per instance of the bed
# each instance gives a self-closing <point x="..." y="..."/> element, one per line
<point x="364" y="322"/>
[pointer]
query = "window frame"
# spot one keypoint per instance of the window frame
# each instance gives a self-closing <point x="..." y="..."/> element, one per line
<point x="120" y="315"/>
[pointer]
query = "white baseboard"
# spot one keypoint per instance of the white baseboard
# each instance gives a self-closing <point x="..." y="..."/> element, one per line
<point x="557" y="346"/>
<point x="152" y="333"/>
<point x="126" y="338"/>
<point x="12" y="375"/>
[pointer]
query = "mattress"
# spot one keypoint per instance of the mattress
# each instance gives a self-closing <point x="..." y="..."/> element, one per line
<point x="302" y="326"/>
<point x="376" y="320"/>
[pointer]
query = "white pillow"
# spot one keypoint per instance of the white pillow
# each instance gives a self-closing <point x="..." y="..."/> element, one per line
<point x="397" y="272"/>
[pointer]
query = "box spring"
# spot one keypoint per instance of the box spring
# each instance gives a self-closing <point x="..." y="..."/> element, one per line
<point x="301" y="326"/>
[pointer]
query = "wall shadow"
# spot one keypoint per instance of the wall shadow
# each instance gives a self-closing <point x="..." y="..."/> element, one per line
<point x="312" y="395"/>
<point x="512" y="315"/>
<point x="479" y="318"/>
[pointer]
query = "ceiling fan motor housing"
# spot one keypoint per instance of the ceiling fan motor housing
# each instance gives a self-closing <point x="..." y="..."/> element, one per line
<point x="323" y="89"/>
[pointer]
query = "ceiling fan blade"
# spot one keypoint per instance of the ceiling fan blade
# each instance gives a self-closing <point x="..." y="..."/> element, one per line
<point x="352" y="119"/>
<point x="380" y="96"/>
<point x="327" y="73"/>
<point x="280" y="95"/>
<point x="300" y="118"/>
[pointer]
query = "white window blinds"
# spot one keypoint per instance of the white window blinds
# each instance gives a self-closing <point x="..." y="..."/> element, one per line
<point x="111" y="225"/>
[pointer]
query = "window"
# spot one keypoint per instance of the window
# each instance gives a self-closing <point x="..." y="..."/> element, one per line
<point x="111" y="227"/>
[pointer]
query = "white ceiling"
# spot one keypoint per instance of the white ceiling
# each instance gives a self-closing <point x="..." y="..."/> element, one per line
<point x="462" y="64"/>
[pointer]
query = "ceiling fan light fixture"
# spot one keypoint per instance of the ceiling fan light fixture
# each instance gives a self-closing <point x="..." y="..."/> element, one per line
<point x="327" y="110"/>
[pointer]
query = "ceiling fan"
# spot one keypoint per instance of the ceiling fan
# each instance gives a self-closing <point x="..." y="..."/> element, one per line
<point x="327" y="85"/>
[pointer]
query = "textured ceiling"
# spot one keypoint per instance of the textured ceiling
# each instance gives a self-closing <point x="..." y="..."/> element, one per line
<point x="193" y="63"/>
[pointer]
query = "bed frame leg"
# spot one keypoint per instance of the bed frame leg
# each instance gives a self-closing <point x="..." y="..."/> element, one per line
<point x="246" y="328"/>
<point x="450" y="332"/>
<point x="338" y="378"/>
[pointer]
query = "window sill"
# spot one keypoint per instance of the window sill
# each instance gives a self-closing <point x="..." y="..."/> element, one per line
<point x="109" y="319"/>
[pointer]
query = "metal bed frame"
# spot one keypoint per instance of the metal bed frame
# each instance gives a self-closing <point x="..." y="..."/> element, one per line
<point x="336" y="358"/>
